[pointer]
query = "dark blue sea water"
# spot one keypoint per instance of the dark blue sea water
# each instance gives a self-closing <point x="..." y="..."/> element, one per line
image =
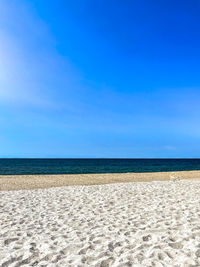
<point x="75" y="166"/>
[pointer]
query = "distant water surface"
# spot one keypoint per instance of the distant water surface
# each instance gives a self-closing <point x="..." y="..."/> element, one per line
<point x="77" y="166"/>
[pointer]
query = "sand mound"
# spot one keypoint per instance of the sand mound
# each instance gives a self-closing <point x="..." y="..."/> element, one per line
<point x="130" y="224"/>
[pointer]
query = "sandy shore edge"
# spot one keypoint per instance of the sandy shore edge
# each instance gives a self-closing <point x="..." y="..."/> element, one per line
<point x="21" y="182"/>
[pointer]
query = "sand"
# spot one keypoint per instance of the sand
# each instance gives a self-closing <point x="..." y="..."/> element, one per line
<point x="18" y="182"/>
<point x="123" y="224"/>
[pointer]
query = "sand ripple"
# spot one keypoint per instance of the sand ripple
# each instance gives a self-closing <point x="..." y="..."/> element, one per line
<point x="130" y="224"/>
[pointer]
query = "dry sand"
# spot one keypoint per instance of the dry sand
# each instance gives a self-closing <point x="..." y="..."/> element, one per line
<point x="122" y="224"/>
<point x="18" y="182"/>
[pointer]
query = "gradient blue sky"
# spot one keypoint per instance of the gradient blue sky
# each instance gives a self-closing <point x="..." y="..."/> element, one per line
<point x="99" y="78"/>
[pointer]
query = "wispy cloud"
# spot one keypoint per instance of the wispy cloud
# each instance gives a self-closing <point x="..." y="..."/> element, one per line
<point x="31" y="70"/>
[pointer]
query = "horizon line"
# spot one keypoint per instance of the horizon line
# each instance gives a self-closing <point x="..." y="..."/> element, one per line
<point x="94" y="158"/>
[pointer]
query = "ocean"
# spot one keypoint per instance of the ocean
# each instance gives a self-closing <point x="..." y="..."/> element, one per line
<point x="77" y="166"/>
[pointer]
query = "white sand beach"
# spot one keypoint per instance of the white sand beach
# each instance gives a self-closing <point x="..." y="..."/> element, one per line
<point x="123" y="224"/>
<point x="19" y="182"/>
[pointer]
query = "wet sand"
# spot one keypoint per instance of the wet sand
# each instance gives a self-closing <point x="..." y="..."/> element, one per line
<point x="19" y="182"/>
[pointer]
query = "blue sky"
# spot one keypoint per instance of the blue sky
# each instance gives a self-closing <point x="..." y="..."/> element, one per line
<point x="99" y="78"/>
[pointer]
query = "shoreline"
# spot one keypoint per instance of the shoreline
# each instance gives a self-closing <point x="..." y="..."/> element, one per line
<point x="28" y="182"/>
